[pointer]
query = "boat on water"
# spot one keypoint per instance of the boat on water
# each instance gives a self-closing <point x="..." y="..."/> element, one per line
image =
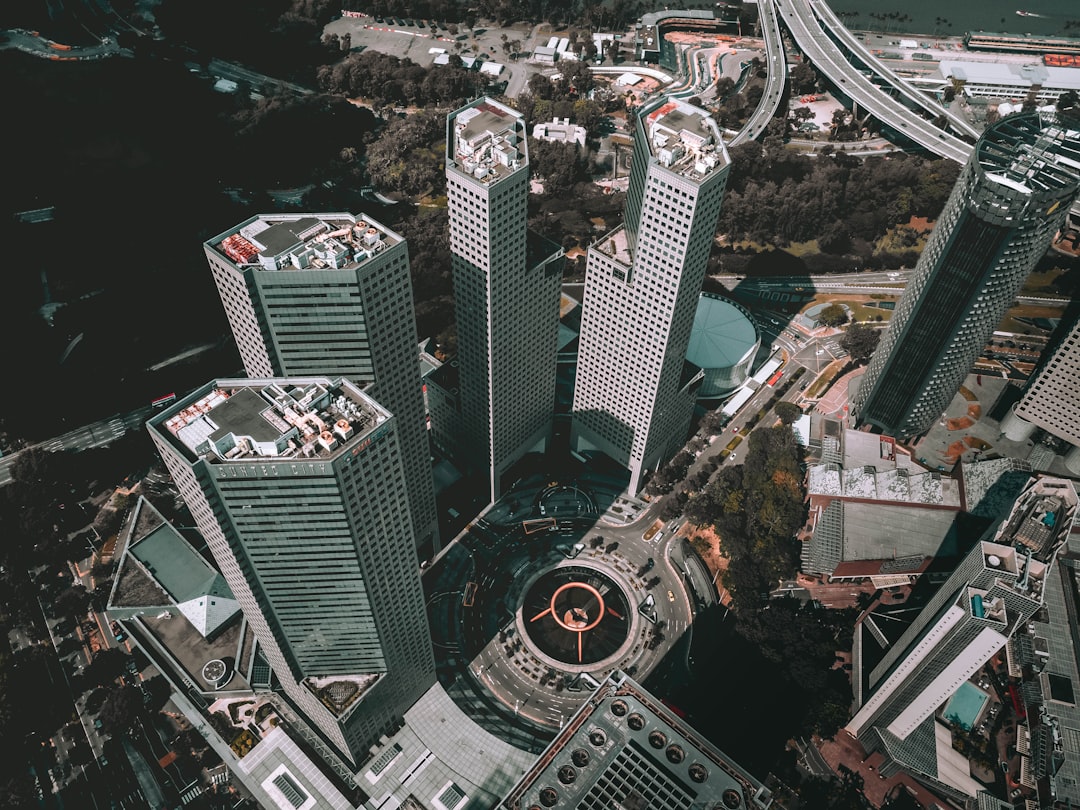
<point x="1022" y="13"/>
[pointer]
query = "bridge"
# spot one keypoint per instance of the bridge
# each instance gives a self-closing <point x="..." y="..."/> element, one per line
<point x="831" y="24"/>
<point x="776" y="66"/>
<point x="826" y="56"/>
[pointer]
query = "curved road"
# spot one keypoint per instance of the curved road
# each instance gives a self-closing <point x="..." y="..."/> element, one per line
<point x="833" y="25"/>
<point x="820" y="49"/>
<point x="777" y="75"/>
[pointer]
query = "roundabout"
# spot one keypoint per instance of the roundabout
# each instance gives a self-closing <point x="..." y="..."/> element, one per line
<point x="576" y="618"/>
<point x="531" y="609"/>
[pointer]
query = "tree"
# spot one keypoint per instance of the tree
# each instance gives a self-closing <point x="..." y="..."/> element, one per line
<point x="1068" y="103"/>
<point x="105" y="667"/>
<point x="787" y="412"/>
<point x="121" y="709"/>
<point x="804" y="79"/>
<point x="612" y="50"/>
<point x="72" y="602"/>
<point x="833" y="315"/>
<point x="859" y="341"/>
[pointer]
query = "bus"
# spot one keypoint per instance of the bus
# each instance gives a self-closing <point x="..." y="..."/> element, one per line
<point x="470" y="594"/>
<point x="774" y="379"/>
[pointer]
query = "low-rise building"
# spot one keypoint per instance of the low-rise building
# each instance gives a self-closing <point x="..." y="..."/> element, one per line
<point x="1009" y="80"/>
<point x="625" y="748"/>
<point x="560" y="131"/>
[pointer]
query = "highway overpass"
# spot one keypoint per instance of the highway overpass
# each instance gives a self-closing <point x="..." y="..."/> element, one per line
<point x="776" y="65"/>
<point x="831" y="62"/>
<point x="832" y="25"/>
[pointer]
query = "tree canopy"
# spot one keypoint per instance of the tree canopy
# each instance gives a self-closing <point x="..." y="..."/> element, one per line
<point x="756" y="509"/>
<point x="776" y="196"/>
<point x="859" y="340"/>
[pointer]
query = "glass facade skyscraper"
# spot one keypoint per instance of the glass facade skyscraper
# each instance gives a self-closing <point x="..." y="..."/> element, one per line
<point x="299" y="489"/>
<point x="331" y="294"/>
<point x="1011" y="199"/>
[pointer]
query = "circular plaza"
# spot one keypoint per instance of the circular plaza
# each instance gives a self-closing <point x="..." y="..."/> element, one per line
<point x="539" y="601"/>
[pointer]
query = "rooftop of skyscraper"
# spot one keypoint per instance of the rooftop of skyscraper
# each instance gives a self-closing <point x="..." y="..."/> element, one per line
<point x="486" y="140"/>
<point x="686" y="139"/>
<point x="304" y="241"/>
<point x="241" y="420"/>
<point x="1032" y="151"/>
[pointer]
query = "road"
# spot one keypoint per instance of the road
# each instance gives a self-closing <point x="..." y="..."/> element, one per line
<point x="97" y="434"/>
<point x="831" y="23"/>
<point x="777" y="75"/>
<point x="827" y="58"/>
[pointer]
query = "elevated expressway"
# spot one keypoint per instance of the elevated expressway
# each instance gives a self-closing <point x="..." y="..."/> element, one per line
<point x="849" y="42"/>
<point x="827" y="57"/>
<point x="805" y="18"/>
<point x="777" y="75"/>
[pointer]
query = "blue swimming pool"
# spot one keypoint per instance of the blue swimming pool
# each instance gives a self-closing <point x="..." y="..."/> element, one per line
<point x="964" y="706"/>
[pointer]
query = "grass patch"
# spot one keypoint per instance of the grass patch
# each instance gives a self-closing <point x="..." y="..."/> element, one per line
<point x="1043" y="282"/>
<point x="822" y="383"/>
<point x="803" y="248"/>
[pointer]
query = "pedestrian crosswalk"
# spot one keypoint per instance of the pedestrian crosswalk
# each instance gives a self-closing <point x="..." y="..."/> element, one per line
<point x="192" y="794"/>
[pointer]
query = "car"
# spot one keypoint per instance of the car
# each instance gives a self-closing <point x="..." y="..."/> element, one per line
<point x="670" y="596"/>
<point x="658" y="537"/>
<point x="119" y="637"/>
<point x="649" y="565"/>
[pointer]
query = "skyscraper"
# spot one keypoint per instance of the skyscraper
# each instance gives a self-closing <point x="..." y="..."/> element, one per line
<point x="994" y="591"/>
<point x="298" y="487"/>
<point x="1010" y="200"/>
<point x="506" y="289"/>
<point x="330" y="295"/>
<point x="634" y="394"/>
<point x="1052" y="400"/>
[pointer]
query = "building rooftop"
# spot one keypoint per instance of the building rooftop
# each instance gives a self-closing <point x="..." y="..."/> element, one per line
<point x="304" y="241"/>
<point x="685" y="139"/>
<point x="1032" y="152"/>
<point x="1011" y="73"/>
<point x="616" y="244"/>
<point x="625" y="749"/>
<point x="722" y="335"/>
<point x="463" y="766"/>
<point x="159" y="569"/>
<point x="921" y="487"/>
<point x="486" y="140"/>
<point x="1040" y="521"/>
<point x="240" y="420"/>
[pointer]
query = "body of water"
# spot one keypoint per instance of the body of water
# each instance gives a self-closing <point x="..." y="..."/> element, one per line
<point x="932" y="17"/>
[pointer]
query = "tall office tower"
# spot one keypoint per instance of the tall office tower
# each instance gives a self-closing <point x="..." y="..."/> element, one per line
<point x="330" y="295"/>
<point x="506" y="300"/>
<point x="1052" y="400"/>
<point x="995" y="591"/>
<point x="299" y="489"/>
<point x="1011" y="198"/>
<point x="634" y="394"/>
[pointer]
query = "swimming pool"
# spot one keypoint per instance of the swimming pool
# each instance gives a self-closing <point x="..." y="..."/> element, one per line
<point x="964" y="706"/>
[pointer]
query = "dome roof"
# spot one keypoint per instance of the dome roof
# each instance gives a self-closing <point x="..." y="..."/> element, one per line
<point x="722" y="335"/>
